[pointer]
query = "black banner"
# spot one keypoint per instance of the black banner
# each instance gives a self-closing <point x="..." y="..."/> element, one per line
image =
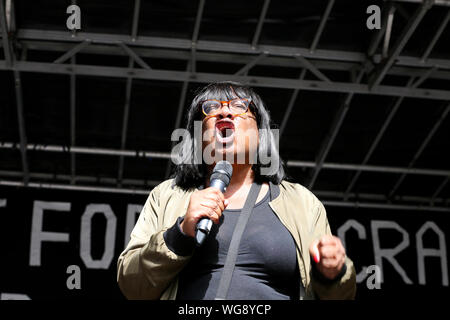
<point x="65" y="244"/>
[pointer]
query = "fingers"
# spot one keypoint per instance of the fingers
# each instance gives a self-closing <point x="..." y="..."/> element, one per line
<point x="314" y="251"/>
<point x="330" y="263"/>
<point x="327" y="240"/>
<point x="217" y="196"/>
<point x="211" y="210"/>
<point x="328" y="252"/>
<point x="329" y="255"/>
<point x="214" y="204"/>
<point x="206" y="203"/>
<point x="216" y="192"/>
<point x="328" y="247"/>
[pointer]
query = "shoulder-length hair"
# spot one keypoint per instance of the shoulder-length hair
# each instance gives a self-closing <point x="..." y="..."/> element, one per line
<point x="191" y="173"/>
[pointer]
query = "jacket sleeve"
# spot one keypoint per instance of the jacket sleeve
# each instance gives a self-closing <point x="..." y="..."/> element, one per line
<point x="147" y="266"/>
<point x="344" y="287"/>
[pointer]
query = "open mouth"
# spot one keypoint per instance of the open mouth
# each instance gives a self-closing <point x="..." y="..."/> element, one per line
<point x="224" y="131"/>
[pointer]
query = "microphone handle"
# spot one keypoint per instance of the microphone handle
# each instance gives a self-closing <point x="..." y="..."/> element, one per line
<point x="204" y="224"/>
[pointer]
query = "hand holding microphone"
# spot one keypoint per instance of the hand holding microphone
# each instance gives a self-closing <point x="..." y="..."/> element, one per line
<point x="206" y="206"/>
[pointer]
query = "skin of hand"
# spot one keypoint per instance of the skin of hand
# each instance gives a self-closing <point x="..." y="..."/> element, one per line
<point x="206" y="203"/>
<point x="329" y="255"/>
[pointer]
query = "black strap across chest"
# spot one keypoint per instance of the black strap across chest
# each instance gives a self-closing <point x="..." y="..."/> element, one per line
<point x="230" y="261"/>
<point x="232" y="253"/>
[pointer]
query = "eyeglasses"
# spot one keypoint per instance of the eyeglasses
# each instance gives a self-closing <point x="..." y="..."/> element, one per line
<point x="237" y="106"/>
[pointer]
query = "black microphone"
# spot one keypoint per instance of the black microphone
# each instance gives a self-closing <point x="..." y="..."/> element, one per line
<point x="220" y="179"/>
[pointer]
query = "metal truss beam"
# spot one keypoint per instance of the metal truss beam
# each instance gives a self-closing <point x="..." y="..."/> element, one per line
<point x="369" y="205"/>
<point x="260" y="23"/>
<point x="102" y="181"/>
<point x="133" y="57"/>
<point x="376" y="39"/>
<point x="72" y="55"/>
<point x="245" y="69"/>
<point x="222" y="47"/>
<point x="21" y="124"/>
<point x="439" y="189"/>
<point x="194" y="39"/>
<point x="444" y="3"/>
<point x="73" y="106"/>
<point x="312" y="68"/>
<point x="10" y="60"/>
<point x="10" y="18"/>
<point x="406" y="34"/>
<point x="181" y="106"/>
<point x="412" y="82"/>
<point x="308" y="66"/>
<point x="422" y="200"/>
<point x="87" y="150"/>
<point x="436" y="36"/>
<point x="368" y="168"/>
<point x="5" y="37"/>
<point x="321" y="27"/>
<point x="422" y="147"/>
<point x="287" y="62"/>
<point x="167" y="155"/>
<point x="290" y="106"/>
<point x="53" y="186"/>
<point x="45" y="185"/>
<point x="135" y="23"/>
<point x="77" y="48"/>
<point x="388" y="32"/>
<point x="126" y="113"/>
<point x="191" y="67"/>
<point x="335" y="127"/>
<point x="133" y="183"/>
<point x="118" y="72"/>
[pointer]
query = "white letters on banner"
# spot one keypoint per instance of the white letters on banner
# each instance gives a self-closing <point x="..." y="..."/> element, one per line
<point x="428" y="252"/>
<point x="37" y="235"/>
<point x="342" y="230"/>
<point x="85" y="236"/>
<point x="14" y="296"/>
<point x="390" y="253"/>
<point x="373" y="273"/>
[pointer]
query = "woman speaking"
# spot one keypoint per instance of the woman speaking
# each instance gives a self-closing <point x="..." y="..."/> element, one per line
<point x="270" y="238"/>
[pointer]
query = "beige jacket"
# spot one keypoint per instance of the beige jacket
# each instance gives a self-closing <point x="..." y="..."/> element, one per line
<point x="148" y="269"/>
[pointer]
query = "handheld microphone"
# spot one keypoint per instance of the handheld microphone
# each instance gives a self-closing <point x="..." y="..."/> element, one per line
<point x="220" y="179"/>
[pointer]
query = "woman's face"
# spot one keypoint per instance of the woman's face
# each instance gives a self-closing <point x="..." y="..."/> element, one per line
<point x="231" y="137"/>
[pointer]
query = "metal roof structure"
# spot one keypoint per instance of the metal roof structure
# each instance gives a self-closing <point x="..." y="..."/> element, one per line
<point x="363" y="114"/>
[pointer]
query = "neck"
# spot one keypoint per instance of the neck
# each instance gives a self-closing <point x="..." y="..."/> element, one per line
<point x="243" y="175"/>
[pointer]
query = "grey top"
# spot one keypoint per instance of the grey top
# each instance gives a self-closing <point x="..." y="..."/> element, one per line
<point x="266" y="265"/>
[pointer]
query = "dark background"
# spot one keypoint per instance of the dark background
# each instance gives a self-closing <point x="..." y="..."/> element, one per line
<point x="70" y="130"/>
<point x="48" y="281"/>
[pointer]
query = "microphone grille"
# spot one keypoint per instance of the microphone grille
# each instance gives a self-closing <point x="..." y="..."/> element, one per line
<point x="223" y="171"/>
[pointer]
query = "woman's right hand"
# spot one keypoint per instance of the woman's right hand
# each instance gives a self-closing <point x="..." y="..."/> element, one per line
<point x="206" y="203"/>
